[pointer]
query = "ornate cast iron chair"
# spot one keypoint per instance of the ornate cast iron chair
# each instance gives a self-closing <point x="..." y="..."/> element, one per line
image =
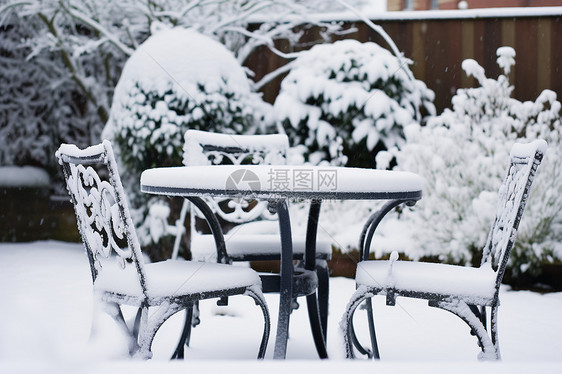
<point x="256" y="236"/>
<point x="119" y="273"/>
<point x="464" y="291"/>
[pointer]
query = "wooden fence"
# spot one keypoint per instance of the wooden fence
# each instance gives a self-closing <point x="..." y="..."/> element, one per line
<point x="439" y="41"/>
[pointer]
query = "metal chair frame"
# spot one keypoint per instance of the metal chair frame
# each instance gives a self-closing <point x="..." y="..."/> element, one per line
<point x="215" y="149"/>
<point x="513" y="195"/>
<point x="108" y="234"/>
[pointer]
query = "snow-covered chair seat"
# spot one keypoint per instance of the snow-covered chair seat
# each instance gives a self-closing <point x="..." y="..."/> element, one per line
<point x="118" y="270"/>
<point x="256" y="234"/>
<point x="405" y="277"/>
<point x="464" y="291"/>
<point x="264" y="246"/>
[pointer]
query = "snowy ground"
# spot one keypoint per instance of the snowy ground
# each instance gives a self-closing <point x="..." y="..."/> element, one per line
<point x="46" y="311"/>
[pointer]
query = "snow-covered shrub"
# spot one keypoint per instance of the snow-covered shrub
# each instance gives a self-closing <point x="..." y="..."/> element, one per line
<point x="94" y="38"/>
<point x="177" y="80"/>
<point x="38" y="109"/>
<point x="463" y="154"/>
<point x="345" y="101"/>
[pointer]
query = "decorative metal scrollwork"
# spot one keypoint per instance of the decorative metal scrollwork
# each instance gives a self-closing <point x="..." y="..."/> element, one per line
<point x="241" y="210"/>
<point x="100" y="218"/>
<point x="509" y="209"/>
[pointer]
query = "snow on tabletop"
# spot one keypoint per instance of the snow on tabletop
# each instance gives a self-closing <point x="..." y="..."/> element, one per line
<point x="23" y="176"/>
<point x="528" y="149"/>
<point x="266" y="178"/>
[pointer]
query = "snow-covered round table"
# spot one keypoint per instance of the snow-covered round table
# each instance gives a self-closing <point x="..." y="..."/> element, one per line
<point x="278" y="184"/>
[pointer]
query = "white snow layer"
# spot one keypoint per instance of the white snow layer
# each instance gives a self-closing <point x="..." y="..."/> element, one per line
<point x="23" y="176"/>
<point x="175" y="278"/>
<point x="179" y="59"/>
<point x="262" y="178"/>
<point x="46" y="293"/>
<point x="428" y="277"/>
<point x="194" y="56"/>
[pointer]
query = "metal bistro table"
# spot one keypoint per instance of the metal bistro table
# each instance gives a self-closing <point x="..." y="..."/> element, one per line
<point x="277" y="185"/>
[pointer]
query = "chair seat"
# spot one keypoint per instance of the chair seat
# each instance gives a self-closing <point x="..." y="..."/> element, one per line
<point x="175" y="278"/>
<point x="407" y="277"/>
<point x="242" y="246"/>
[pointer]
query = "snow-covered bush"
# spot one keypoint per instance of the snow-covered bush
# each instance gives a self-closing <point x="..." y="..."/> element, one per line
<point x="38" y="109"/>
<point x="463" y="154"/>
<point x="95" y="37"/>
<point x="177" y="80"/>
<point x="345" y="101"/>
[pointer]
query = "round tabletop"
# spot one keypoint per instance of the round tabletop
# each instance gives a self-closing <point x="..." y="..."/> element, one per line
<point x="281" y="182"/>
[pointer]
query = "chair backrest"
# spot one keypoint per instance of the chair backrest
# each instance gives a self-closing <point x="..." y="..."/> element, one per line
<point x="101" y="208"/>
<point x="204" y="148"/>
<point x="513" y="195"/>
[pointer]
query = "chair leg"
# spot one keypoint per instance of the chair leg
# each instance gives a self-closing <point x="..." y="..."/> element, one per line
<point x="136" y="325"/>
<point x="316" y="325"/>
<point x="463" y="311"/>
<point x="372" y="333"/>
<point x="364" y="351"/>
<point x="114" y="310"/>
<point x="149" y="326"/>
<point x="323" y="273"/>
<point x="494" y="330"/>
<point x="483" y="317"/>
<point x="257" y="295"/>
<point x="185" y="335"/>
<point x="346" y="324"/>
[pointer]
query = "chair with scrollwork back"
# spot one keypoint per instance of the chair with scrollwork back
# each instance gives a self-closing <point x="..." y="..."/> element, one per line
<point x="466" y="292"/>
<point x="255" y="236"/>
<point x="119" y="273"/>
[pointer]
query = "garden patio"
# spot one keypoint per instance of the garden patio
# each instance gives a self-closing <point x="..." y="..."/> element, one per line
<point x="46" y="312"/>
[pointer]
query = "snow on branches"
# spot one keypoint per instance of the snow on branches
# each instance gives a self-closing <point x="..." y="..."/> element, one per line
<point x="463" y="153"/>
<point x="344" y="99"/>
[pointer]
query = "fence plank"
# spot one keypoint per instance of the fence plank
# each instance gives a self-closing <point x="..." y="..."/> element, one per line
<point x="438" y="47"/>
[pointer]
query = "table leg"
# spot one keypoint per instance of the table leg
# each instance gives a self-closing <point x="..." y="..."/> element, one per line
<point x="214" y="225"/>
<point x="316" y="317"/>
<point x="286" y="282"/>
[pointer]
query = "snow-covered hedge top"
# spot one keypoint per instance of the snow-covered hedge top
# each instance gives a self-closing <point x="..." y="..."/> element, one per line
<point x="196" y="58"/>
<point x="25" y="176"/>
<point x="179" y="60"/>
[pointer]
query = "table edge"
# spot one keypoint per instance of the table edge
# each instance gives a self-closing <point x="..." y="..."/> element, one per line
<point x="276" y="195"/>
